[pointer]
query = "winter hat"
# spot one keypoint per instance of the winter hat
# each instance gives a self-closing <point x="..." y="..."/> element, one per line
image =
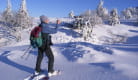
<point x="44" y="18"/>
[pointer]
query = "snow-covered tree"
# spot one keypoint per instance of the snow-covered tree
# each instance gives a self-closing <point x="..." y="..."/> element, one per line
<point x="7" y="15"/>
<point x="77" y="24"/>
<point x="114" y="18"/>
<point x="95" y="19"/>
<point x="101" y="11"/>
<point x="92" y="16"/>
<point x="22" y="18"/>
<point x="127" y="14"/>
<point x="87" y="29"/>
<point x="71" y="14"/>
<point x="130" y="13"/>
<point x="89" y="20"/>
<point x="134" y="11"/>
<point x="15" y="22"/>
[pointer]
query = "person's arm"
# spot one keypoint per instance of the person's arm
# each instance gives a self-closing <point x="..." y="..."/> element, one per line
<point x="48" y="29"/>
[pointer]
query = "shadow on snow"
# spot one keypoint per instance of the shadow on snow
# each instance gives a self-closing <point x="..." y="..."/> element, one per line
<point x="74" y="50"/>
<point x="131" y="44"/>
<point x="130" y="23"/>
<point x="104" y="65"/>
<point x="136" y="31"/>
<point x="5" y="60"/>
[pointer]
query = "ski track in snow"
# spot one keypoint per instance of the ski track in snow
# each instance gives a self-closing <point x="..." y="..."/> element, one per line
<point x="77" y="59"/>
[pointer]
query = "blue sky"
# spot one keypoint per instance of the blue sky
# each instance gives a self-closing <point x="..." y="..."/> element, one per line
<point x="61" y="8"/>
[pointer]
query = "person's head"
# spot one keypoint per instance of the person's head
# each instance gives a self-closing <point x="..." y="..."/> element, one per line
<point x="44" y="19"/>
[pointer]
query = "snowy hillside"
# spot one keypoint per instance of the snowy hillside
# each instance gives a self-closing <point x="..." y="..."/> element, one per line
<point x="111" y="54"/>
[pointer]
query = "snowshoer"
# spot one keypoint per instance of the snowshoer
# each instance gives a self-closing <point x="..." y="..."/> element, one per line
<point x="45" y="48"/>
<point x="57" y="23"/>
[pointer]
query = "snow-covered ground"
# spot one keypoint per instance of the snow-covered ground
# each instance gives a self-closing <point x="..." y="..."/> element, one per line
<point x="111" y="54"/>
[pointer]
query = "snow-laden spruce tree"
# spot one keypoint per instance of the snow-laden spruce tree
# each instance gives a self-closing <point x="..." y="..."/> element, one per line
<point x="114" y="18"/>
<point x="101" y="11"/>
<point x="130" y="13"/>
<point x="7" y="18"/>
<point x="80" y="20"/>
<point x="90" y="19"/>
<point x="77" y="24"/>
<point x="22" y="18"/>
<point x="71" y="14"/>
<point x="87" y="29"/>
<point x="7" y="15"/>
<point x="127" y="14"/>
<point x="134" y="11"/>
<point x="92" y="16"/>
<point x="15" y="22"/>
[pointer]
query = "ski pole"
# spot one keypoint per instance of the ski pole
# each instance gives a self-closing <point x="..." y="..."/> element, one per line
<point x="26" y="51"/>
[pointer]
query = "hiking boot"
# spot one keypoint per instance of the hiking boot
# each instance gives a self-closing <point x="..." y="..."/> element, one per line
<point x="53" y="73"/>
<point x="36" y="73"/>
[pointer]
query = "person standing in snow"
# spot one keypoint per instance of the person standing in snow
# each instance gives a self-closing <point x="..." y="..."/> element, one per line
<point x="57" y="23"/>
<point x="45" y="48"/>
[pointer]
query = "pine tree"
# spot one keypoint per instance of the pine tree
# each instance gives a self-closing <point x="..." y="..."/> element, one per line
<point x="15" y="22"/>
<point x="114" y="18"/>
<point x="130" y="13"/>
<point x="22" y="17"/>
<point x="7" y="14"/>
<point x="89" y="20"/>
<point x="71" y="14"/>
<point x="92" y="17"/>
<point x="87" y="30"/>
<point x="101" y="11"/>
<point x="127" y="14"/>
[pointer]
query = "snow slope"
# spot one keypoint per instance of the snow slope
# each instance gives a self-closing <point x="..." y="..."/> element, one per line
<point x="111" y="54"/>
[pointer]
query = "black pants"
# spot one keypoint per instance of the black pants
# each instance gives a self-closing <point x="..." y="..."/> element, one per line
<point x="45" y="48"/>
